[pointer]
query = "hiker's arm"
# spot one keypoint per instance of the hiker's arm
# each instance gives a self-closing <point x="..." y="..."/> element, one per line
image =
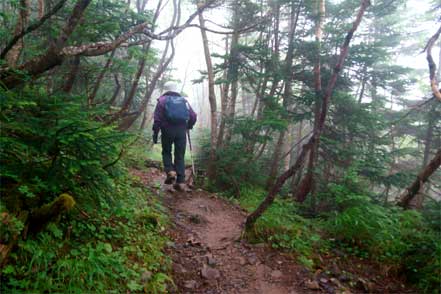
<point x="158" y="117"/>
<point x="193" y="118"/>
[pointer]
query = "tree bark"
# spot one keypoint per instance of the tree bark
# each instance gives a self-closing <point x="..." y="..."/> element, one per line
<point x="307" y="184"/>
<point x="233" y="71"/>
<point x="269" y="199"/>
<point x="429" y="134"/>
<point x="135" y="81"/>
<point x="92" y="96"/>
<point x="408" y="195"/>
<point x="288" y="77"/>
<point x="211" y="172"/>
<point x="31" y="27"/>
<point x="52" y="57"/>
<point x="57" y="52"/>
<point x="163" y="65"/>
<point x="41" y="8"/>
<point x="75" y="67"/>
<point x="251" y="219"/>
<point x="224" y="101"/>
<point x="23" y="18"/>
<point x="115" y="92"/>
<point x="432" y="66"/>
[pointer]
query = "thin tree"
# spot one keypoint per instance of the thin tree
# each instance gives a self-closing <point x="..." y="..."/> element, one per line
<point x="211" y="99"/>
<point x="287" y="78"/>
<point x="410" y="193"/>
<point x="307" y="183"/>
<point x="251" y="219"/>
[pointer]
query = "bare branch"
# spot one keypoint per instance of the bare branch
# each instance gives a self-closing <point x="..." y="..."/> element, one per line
<point x="31" y="28"/>
<point x="100" y="48"/>
<point x="432" y="66"/>
<point x="9" y="77"/>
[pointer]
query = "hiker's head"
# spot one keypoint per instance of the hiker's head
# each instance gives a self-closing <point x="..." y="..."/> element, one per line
<point x="171" y="86"/>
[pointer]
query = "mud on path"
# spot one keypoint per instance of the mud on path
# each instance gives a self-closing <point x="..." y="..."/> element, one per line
<point x="208" y="256"/>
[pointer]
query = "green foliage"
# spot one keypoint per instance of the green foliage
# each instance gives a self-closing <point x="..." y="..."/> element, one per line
<point x="93" y="251"/>
<point x="113" y="233"/>
<point x="401" y="239"/>
<point x="235" y="168"/>
<point x="51" y="144"/>
<point x="284" y="228"/>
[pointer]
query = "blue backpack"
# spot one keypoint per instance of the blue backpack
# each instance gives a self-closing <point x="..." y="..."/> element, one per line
<point x="176" y="110"/>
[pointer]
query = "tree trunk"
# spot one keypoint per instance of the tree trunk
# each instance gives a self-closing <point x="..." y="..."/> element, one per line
<point x="408" y="195"/>
<point x="232" y="73"/>
<point x="363" y="84"/>
<point x="307" y="185"/>
<point x="269" y="199"/>
<point x="23" y="18"/>
<point x="92" y="96"/>
<point x="432" y="66"/>
<point x="53" y="55"/>
<point x="287" y="91"/>
<point x="275" y="161"/>
<point x="75" y="67"/>
<point x="224" y="101"/>
<point x="115" y="92"/>
<point x="135" y="81"/>
<point x="251" y="219"/>
<point x="41" y="8"/>
<point x="429" y="134"/>
<point x="163" y="65"/>
<point x="212" y="99"/>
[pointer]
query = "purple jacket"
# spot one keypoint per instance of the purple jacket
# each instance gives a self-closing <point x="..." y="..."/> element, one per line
<point x="161" y="122"/>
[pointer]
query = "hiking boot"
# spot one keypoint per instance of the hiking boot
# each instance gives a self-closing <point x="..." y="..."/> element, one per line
<point x="181" y="187"/>
<point x="171" y="177"/>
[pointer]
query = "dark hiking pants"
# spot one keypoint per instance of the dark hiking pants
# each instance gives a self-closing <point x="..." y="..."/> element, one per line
<point x="174" y="136"/>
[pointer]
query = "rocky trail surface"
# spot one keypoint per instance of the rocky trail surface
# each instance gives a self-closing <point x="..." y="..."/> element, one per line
<point x="208" y="255"/>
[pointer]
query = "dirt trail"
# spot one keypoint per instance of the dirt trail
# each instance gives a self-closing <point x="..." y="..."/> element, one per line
<point x="207" y="254"/>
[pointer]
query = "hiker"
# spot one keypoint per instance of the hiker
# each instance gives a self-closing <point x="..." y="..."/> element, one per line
<point x="173" y="117"/>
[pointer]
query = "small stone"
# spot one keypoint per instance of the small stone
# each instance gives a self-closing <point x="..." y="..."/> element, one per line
<point x="242" y="261"/>
<point x="191" y="284"/>
<point x="252" y="259"/>
<point x="146" y="275"/>
<point x="209" y="273"/>
<point x="276" y="274"/>
<point x="328" y="288"/>
<point x="194" y="218"/>
<point x="170" y="244"/>
<point x="363" y="285"/>
<point x="335" y="270"/>
<point x="259" y="245"/>
<point x="313" y="285"/>
<point x="336" y="282"/>
<point x="344" y="278"/>
<point x="179" y="268"/>
<point x="211" y="261"/>
<point x="323" y="280"/>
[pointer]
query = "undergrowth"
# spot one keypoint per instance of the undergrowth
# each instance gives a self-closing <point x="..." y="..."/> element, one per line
<point x="283" y="227"/>
<point x="114" y="249"/>
<point x="73" y="220"/>
<point x="401" y="241"/>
